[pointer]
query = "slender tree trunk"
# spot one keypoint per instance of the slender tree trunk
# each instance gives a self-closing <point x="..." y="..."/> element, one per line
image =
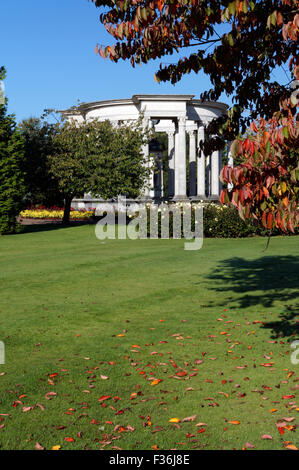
<point x="67" y="210"/>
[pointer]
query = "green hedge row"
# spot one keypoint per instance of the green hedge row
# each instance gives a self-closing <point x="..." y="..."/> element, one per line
<point x="220" y="222"/>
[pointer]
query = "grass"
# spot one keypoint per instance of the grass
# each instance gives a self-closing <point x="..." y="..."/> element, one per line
<point x="146" y="309"/>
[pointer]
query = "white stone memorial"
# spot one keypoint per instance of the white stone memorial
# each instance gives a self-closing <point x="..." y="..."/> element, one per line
<point x="175" y="115"/>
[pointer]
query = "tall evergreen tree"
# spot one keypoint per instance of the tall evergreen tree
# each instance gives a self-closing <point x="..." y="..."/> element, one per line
<point x="12" y="188"/>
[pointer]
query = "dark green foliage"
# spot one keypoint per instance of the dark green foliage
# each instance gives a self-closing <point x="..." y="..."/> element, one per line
<point x="41" y="188"/>
<point x="220" y="222"/>
<point x="224" y="222"/>
<point x="119" y="166"/>
<point x="12" y="189"/>
<point x="95" y="157"/>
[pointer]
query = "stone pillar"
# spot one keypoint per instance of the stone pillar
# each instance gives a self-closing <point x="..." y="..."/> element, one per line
<point x="180" y="161"/>
<point x="208" y="176"/>
<point x="201" y="166"/>
<point x="220" y="168"/>
<point x="192" y="164"/>
<point x="170" y="164"/>
<point x="176" y="170"/>
<point x="149" y="191"/>
<point x="161" y="178"/>
<point x="158" y="176"/>
<point x="231" y="164"/>
<point x="215" y="175"/>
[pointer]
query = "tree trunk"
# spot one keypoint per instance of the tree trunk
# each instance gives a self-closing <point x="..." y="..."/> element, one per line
<point x="67" y="210"/>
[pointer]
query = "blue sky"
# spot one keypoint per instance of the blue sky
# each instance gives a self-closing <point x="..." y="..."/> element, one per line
<point x="48" y="51"/>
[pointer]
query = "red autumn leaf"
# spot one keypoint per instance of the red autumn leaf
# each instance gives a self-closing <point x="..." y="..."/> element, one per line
<point x="101" y="52"/>
<point x="39" y="447"/>
<point x="189" y="419"/>
<point x="265" y="191"/>
<point x="49" y="395"/>
<point x="104" y="397"/>
<point x="181" y="373"/>
<point x="27" y="408"/>
<point x="270" y="220"/>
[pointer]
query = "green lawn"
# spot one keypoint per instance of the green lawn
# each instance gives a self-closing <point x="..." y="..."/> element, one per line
<point x="215" y="325"/>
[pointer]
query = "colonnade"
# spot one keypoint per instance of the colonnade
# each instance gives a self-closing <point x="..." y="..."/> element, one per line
<point x="203" y="182"/>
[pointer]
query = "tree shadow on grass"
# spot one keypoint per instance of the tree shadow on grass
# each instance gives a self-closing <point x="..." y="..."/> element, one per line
<point x="261" y="282"/>
<point x="45" y="227"/>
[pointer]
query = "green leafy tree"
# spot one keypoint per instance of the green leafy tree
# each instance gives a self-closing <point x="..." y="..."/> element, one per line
<point x="95" y="157"/>
<point x="12" y="188"/>
<point x="41" y="188"/>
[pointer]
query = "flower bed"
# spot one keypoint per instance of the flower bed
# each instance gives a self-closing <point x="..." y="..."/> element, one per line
<point x="55" y="213"/>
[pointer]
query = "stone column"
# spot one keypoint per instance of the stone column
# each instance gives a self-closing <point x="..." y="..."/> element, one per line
<point x="170" y="164"/>
<point x="149" y="191"/>
<point x="180" y="161"/>
<point x="161" y="178"/>
<point x="215" y="175"/>
<point x="158" y="176"/>
<point x="208" y="175"/>
<point x="192" y="164"/>
<point x="201" y="166"/>
<point x="220" y="168"/>
<point x="231" y="164"/>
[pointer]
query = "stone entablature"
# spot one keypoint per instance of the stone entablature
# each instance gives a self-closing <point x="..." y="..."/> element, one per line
<point x="176" y="115"/>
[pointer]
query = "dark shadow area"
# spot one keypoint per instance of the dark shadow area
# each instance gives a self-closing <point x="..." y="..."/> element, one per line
<point x="30" y="226"/>
<point x="261" y="282"/>
<point x="286" y="326"/>
<point x="45" y="227"/>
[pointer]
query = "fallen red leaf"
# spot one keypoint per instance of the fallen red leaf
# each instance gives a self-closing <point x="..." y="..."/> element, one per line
<point x="104" y="397"/>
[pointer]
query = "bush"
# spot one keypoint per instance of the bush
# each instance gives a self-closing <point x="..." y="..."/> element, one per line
<point x="224" y="222"/>
<point x="219" y="221"/>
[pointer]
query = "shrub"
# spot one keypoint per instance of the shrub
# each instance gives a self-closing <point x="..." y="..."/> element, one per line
<point x="224" y="222"/>
<point x="219" y="221"/>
